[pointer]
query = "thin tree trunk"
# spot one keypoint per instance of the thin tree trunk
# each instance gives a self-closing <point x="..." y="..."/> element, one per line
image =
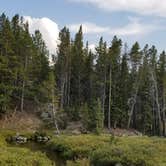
<point x="68" y="90"/>
<point x="65" y="91"/>
<point x="153" y="115"/>
<point x="53" y="112"/>
<point x="104" y="94"/>
<point x="157" y="103"/>
<point x="62" y="93"/>
<point x="109" y="100"/>
<point x="163" y="114"/>
<point x="164" y="122"/>
<point x="79" y="90"/>
<point x="132" y="107"/>
<point x="22" y="96"/>
<point x="23" y="84"/>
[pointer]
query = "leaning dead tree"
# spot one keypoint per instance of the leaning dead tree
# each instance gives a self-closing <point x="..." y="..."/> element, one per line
<point x="54" y="103"/>
<point x="156" y="98"/>
<point x="54" y="113"/>
<point x="132" y="101"/>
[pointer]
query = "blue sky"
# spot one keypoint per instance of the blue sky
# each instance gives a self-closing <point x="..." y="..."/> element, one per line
<point x="131" y="20"/>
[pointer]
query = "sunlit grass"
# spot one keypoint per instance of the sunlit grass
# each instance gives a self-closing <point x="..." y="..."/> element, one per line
<point x="105" y="150"/>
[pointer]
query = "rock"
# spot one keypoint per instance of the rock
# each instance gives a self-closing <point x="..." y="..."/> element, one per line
<point x="42" y="139"/>
<point x="76" y="132"/>
<point x="17" y="139"/>
<point x="45" y="115"/>
<point x="21" y="139"/>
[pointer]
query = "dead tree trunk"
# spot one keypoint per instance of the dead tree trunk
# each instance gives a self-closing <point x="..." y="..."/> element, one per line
<point x="54" y="112"/>
<point x="163" y="114"/>
<point x="62" y="92"/>
<point x="164" y="121"/>
<point x="153" y="111"/>
<point x="109" y="100"/>
<point x="68" y="90"/>
<point x="133" y="100"/>
<point x="23" y="83"/>
<point x="157" y="103"/>
<point x="104" y="95"/>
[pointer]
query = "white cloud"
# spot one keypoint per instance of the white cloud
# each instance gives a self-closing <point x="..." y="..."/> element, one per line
<point x="146" y="7"/>
<point x="134" y="27"/>
<point x="88" y="28"/>
<point x="92" y="47"/>
<point x="48" y="28"/>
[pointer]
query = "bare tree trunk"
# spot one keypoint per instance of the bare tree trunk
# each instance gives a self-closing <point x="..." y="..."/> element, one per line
<point x="62" y="92"/>
<point x="54" y="111"/>
<point x="79" y="90"/>
<point x="109" y="100"/>
<point x="23" y="84"/>
<point x="163" y="114"/>
<point x="132" y="107"/>
<point x="66" y="87"/>
<point x="22" y="96"/>
<point x="153" y="114"/>
<point x="164" y="121"/>
<point x="68" y="90"/>
<point x="104" y="95"/>
<point x="157" y="103"/>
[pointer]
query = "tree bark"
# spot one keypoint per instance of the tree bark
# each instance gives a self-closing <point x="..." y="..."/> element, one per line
<point x="104" y="95"/>
<point x="109" y="100"/>
<point x="23" y="84"/>
<point x="53" y="112"/>
<point x="132" y="107"/>
<point x="62" y="92"/>
<point x="157" y="103"/>
<point x="163" y="114"/>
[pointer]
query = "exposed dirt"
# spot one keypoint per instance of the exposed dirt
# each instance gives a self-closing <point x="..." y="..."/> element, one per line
<point x="21" y="121"/>
<point x="124" y="132"/>
<point x="77" y="128"/>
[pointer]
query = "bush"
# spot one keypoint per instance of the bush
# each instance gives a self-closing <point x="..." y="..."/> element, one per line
<point x="104" y="150"/>
<point x="12" y="156"/>
<point x="83" y="162"/>
<point x="22" y="157"/>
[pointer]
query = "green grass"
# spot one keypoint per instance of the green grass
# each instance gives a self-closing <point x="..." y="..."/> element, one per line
<point x="12" y="156"/>
<point x="71" y="147"/>
<point x="16" y="156"/>
<point x="83" y="162"/>
<point x="86" y="150"/>
<point x="108" y="151"/>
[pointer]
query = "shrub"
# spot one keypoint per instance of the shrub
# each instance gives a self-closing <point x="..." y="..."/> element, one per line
<point x="22" y="157"/>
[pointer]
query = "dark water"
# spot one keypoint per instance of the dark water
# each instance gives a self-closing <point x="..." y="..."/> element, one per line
<point x="53" y="156"/>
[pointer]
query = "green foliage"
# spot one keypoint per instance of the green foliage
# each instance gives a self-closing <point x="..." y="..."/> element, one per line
<point x="83" y="162"/>
<point x="109" y="86"/>
<point x="71" y="147"/>
<point x="131" y="151"/>
<point x="86" y="121"/>
<point x="127" y="151"/>
<point x="23" y="64"/>
<point x="22" y="157"/>
<point x="11" y="156"/>
<point x="98" y="117"/>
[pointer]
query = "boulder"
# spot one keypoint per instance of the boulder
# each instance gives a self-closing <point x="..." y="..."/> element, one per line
<point x="76" y="132"/>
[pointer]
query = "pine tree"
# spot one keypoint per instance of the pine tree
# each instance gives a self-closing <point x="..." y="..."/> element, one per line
<point x="124" y="88"/>
<point x="63" y="67"/>
<point x="135" y="77"/>
<point x="101" y="73"/>
<point x="77" y="70"/>
<point x="88" y="77"/>
<point x="113" y="83"/>
<point x="161" y="87"/>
